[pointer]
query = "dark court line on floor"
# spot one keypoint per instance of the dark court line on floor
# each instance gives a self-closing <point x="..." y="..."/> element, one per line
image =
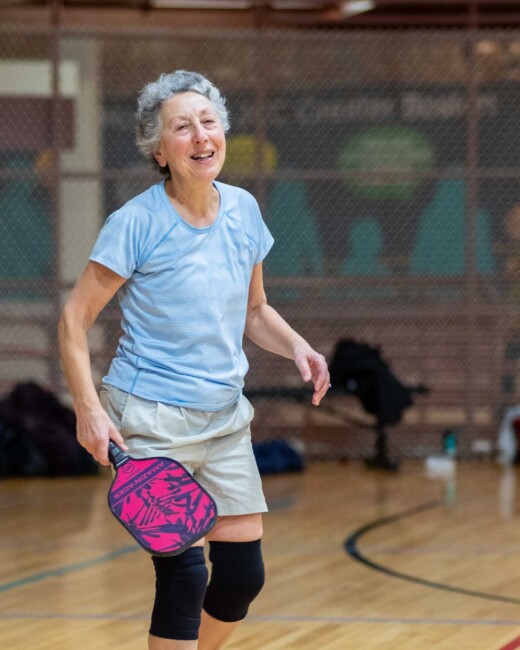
<point x="274" y="618"/>
<point x="351" y="546"/>
<point x="69" y="568"/>
<point x="378" y="620"/>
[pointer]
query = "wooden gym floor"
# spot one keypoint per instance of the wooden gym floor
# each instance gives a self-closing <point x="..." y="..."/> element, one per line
<point x="432" y="564"/>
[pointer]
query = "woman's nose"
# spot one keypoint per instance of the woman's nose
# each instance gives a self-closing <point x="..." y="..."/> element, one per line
<point x="199" y="133"/>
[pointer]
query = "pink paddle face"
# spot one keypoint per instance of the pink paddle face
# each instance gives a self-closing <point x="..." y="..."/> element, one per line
<point x="161" y="504"/>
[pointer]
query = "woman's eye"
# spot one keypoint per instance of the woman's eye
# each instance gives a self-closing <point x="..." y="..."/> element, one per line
<point x="181" y="126"/>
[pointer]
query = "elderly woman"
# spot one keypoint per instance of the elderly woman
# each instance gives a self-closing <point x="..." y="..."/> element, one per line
<point x="185" y="258"/>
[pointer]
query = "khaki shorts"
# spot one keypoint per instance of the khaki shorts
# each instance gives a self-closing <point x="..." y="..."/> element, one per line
<point x="214" y="446"/>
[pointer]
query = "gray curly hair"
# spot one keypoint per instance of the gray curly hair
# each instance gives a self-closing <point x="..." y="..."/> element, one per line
<point x="152" y="97"/>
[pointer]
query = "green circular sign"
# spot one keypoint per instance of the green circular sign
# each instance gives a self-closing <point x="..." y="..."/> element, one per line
<point x="386" y="150"/>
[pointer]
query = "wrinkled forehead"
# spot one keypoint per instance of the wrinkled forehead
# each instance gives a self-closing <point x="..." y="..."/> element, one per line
<point x="186" y="105"/>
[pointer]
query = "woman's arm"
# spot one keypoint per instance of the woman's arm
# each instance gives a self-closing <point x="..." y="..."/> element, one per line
<point x="93" y="291"/>
<point x="266" y="328"/>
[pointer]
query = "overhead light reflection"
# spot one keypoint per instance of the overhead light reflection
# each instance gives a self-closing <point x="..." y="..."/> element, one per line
<point x="353" y="7"/>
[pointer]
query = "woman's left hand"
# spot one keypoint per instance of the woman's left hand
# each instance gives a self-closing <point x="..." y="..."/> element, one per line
<point x="313" y="367"/>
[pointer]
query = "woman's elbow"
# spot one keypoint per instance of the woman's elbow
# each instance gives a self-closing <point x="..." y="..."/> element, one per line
<point x="69" y="323"/>
<point x="254" y="313"/>
<point x="255" y="304"/>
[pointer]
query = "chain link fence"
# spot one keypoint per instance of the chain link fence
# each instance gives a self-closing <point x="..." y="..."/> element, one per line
<point x="386" y="166"/>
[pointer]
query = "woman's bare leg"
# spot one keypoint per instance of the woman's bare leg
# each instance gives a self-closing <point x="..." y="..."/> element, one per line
<point x="156" y="643"/>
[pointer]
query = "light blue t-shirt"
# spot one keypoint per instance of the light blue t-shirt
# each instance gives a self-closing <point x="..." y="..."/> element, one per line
<point x="185" y="300"/>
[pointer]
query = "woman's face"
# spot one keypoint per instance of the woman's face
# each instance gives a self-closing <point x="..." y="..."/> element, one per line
<point x="192" y="142"/>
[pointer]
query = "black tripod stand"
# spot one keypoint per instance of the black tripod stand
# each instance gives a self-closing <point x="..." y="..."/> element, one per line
<point x="380" y="459"/>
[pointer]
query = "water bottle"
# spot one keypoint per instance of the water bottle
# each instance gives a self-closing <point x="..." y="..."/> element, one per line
<point x="449" y="443"/>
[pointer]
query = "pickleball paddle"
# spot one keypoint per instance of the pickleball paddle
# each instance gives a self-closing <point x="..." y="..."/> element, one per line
<point x="159" y="502"/>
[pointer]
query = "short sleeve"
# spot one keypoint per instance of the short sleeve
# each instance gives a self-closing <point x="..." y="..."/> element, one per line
<point x="263" y="238"/>
<point x="119" y="243"/>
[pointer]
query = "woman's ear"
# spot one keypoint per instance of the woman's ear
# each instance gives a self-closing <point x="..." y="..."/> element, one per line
<point x="159" y="157"/>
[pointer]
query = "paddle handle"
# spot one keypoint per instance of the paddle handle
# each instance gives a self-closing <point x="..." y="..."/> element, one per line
<point x="116" y="455"/>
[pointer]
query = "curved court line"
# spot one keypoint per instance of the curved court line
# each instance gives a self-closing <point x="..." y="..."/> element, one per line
<point x="52" y="573"/>
<point x="352" y="549"/>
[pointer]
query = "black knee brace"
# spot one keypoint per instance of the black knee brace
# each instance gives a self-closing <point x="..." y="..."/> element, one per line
<point x="180" y="585"/>
<point x="237" y="577"/>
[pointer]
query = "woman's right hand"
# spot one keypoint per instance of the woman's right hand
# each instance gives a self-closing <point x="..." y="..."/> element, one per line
<point x="95" y="288"/>
<point x="94" y="429"/>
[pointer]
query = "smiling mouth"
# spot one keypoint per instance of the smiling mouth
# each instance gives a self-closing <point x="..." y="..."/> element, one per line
<point x="203" y="156"/>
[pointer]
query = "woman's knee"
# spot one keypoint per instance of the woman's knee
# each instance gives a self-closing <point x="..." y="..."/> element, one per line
<point x="237" y="577"/>
<point x="180" y="586"/>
